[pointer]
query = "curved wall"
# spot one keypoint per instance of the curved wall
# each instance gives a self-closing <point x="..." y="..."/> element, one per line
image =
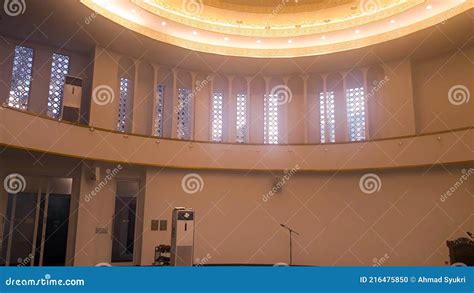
<point x="404" y="99"/>
<point x="49" y="136"/>
<point x="420" y="145"/>
<point x="406" y="221"/>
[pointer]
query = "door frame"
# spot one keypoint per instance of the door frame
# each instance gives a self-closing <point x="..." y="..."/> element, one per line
<point x="45" y="221"/>
<point x="12" y="224"/>
<point x="135" y="244"/>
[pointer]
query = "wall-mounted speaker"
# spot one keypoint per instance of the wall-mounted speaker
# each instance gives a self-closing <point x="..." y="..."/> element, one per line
<point x="277" y="184"/>
<point x="92" y="172"/>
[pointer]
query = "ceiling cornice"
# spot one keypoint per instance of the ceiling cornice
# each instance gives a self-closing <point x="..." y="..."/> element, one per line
<point x="275" y="44"/>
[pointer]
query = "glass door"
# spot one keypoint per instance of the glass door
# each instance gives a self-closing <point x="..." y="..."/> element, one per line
<point x="54" y="231"/>
<point x="36" y="222"/>
<point x="20" y="224"/>
<point x="21" y="229"/>
<point x="123" y="236"/>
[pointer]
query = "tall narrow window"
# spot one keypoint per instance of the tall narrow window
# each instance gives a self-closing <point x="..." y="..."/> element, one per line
<point x="59" y="69"/>
<point x="241" y="119"/>
<point x="356" y="113"/>
<point x="21" y="78"/>
<point x="158" y="111"/>
<point x="270" y="119"/>
<point x="123" y="102"/>
<point x="216" y="123"/>
<point x="327" y="117"/>
<point x="184" y="113"/>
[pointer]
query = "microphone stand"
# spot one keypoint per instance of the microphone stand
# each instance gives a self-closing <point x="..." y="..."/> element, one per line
<point x="291" y="231"/>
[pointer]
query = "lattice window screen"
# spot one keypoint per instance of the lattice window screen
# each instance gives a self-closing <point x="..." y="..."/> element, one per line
<point x="270" y="119"/>
<point x="21" y="78"/>
<point x="327" y="117"/>
<point x="59" y="69"/>
<point x="241" y="122"/>
<point x="184" y="113"/>
<point x="356" y="113"/>
<point x="123" y="102"/>
<point x="217" y="117"/>
<point x="158" y="111"/>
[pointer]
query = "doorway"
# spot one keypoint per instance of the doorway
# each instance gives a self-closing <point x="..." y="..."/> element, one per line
<point x="123" y="236"/>
<point x="36" y="223"/>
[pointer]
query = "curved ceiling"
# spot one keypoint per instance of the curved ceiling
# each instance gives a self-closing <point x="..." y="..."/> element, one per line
<point x="267" y="6"/>
<point x="276" y="28"/>
<point x="281" y="19"/>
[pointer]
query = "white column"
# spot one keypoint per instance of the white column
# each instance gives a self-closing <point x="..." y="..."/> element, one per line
<point x="305" y="108"/>
<point x="366" y="104"/>
<point x="175" y="105"/>
<point x="229" y="122"/>
<point x="193" y="108"/>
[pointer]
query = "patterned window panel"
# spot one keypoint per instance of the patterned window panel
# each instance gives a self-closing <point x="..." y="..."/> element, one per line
<point x="21" y="78"/>
<point x="59" y="69"/>
<point x="356" y="113"/>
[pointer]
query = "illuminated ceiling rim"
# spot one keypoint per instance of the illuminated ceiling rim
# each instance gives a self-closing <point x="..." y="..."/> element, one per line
<point x="295" y="8"/>
<point x="310" y="22"/>
<point x="272" y="48"/>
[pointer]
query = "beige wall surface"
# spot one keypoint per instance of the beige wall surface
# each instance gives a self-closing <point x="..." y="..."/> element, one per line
<point x="105" y="75"/>
<point x="405" y="221"/>
<point x="433" y="79"/>
<point x="412" y="99"/>
<point x="144" y="99"/>
<point x="339" y="224"/>
<point x="96" y="210"/>
<point x="391" y="110"/>
<point x="50" y="136"/>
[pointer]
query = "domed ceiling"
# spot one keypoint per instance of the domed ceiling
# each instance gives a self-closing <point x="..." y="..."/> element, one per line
<point x="276" y="28"/>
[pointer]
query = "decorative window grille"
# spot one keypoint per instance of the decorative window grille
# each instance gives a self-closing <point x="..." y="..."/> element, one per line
<point x="158" y="111"/>
<point x="270" y="119"/>
<point x="184" y="113"/>
<point x="21" y="78"/>
<point x="241" y="122"/>
<point x="216" y="123"/>
<point x="356" y="113"/>
<point x="59" y="69"/>
<point x="327" y="117"/>
<point x="124" y="96"/>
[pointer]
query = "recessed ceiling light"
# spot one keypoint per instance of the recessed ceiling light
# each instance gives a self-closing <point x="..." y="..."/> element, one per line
<point x="134" y="11"/>
<point x="163" y="23"/>
<point x="259" y="41"/>
<point x="195" y="33"/>
<point x="357" y="31"/>
<point x="323" y="37"/>
<point x="290" y="41"/>
<point x="429" y="7"/>
<point x="392" y="21"/>
<point x="226" y="38"/>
